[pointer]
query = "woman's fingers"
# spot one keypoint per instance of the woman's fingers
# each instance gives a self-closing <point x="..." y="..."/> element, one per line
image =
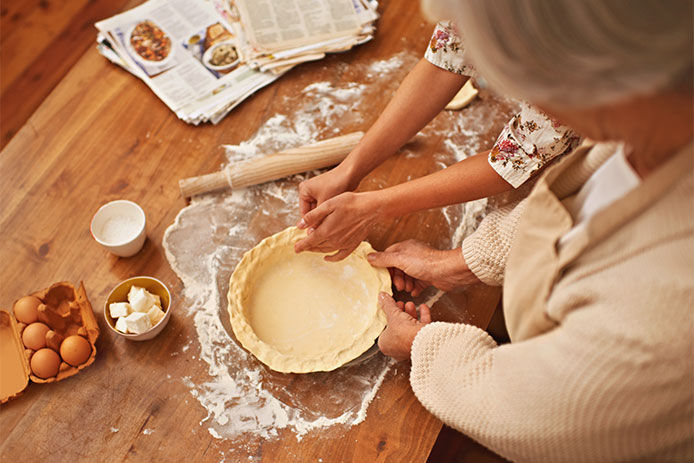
<point x="382" y="259"/>
<point x="306" y="205"/>
<point x="409" y="283"/>
<point x="341" y="254"/>
<point x="315" y="216"/>
<point x="424" y="314"/>
<point x="398" y="279"/>
<point x="389" y="306"/>
<point x="307" y="200"/>
<point x="410" y="309"/>
<point x="311" y="242"/>
<point x="419" y="287"/>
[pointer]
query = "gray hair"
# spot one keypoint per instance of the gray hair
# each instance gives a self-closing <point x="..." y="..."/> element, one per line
<point x="576" y="53"/>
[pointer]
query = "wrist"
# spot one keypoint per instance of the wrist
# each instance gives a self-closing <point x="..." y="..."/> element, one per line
<point x="349" y="174"/>
<point x="375" y="203"/>
<point x="455" y="268"/>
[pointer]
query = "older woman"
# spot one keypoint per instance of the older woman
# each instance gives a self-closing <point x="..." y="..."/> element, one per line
<point x="597" y="264"/>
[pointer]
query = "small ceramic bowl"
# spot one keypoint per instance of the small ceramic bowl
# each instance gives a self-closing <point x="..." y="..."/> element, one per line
<point x="119" y="226"/>
<point x="120" y="294"/>
<point x="207" y="57"/>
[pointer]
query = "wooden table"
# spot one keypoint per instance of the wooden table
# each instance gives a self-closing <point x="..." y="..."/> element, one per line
<point x="102" y="135"/>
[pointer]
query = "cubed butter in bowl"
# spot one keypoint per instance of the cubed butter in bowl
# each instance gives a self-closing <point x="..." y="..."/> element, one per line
<point x="138" y="308"/>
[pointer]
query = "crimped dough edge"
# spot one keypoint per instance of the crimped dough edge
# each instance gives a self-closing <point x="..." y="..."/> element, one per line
<point x="267" y="353"/>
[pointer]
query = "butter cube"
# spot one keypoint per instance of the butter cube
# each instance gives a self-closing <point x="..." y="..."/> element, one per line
<point x="122" y="325"/>
<point x="157" y="300"/>
<point x="140" y="299"/>
<point x="155" y="314"/>
<point x="119" y="309"/>
<point x="133" y="290"/>
<point x="138" y="322"/>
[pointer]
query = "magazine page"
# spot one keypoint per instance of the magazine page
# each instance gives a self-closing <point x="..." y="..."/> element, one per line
<point x="295" y="23"/>
<point x="183" y="49"/>
<point x="203" y="57"/>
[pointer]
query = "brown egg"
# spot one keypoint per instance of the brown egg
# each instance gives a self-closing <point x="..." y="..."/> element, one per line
<point x="75" y="350"/>
<point x="34" y="335"/>
<point x="45" y="363"/>
<point x="26" y="309"/>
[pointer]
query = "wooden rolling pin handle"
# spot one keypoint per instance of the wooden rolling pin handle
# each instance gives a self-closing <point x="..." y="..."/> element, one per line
<point x="292" y="161"/>
<point x="203" y="184"/>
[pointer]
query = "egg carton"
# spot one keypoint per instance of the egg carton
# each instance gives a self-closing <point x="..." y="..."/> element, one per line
<point x="67" y="311"/>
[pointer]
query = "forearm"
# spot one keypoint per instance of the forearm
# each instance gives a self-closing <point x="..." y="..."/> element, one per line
<point x="421" y="96"/>
<point x="470" y="179"/>
<point x="552" y="396"/>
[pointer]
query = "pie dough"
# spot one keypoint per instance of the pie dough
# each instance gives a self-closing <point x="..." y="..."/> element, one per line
<point x="463" y="98"/>
<point x="298" y="313"/>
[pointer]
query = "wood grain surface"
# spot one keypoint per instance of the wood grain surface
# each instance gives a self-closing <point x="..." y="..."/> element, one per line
<point x="102" y="135"/>
<point x="40" y="40"/>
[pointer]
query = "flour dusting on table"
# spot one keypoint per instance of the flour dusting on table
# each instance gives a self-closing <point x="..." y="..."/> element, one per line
<point x="243" y="398"/>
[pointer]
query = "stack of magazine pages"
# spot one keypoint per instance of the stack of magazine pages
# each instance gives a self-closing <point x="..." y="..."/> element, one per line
<point x="204" y="57"/>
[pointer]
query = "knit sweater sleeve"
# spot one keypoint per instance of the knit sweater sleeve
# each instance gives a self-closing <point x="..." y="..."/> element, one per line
<point x="486" y="249"/>
<point x="574" y="394"/>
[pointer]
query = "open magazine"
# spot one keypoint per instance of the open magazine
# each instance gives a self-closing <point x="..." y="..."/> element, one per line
<point x="204" y="57"/>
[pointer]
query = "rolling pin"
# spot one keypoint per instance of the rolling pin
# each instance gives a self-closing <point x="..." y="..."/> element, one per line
<point x="317" y="155"/>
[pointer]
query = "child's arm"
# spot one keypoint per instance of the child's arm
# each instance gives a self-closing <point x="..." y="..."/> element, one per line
<point x="421" y="96"/>
<point x="342" y="222"/>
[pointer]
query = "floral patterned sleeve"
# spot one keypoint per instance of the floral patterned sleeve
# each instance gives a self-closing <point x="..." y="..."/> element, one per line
<point x="529" y="141"/>
<point x="446" y="50"/>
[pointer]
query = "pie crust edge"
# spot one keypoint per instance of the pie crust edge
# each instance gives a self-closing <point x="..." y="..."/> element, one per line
<point x="268" y="354"/>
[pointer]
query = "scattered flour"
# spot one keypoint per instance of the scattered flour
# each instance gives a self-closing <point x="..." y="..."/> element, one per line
<point x="385" y="67"/>
<point x="147" y="431"/>
<point x="317" y="118"/>
<point x="114" y="429"/>
<point x="242" y="398"/>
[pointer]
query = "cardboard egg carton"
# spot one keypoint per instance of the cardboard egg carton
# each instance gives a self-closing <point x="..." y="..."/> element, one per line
<point x="67" y="311"/>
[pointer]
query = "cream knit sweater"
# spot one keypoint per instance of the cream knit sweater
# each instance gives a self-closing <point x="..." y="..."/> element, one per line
<point x="601" y="367"/>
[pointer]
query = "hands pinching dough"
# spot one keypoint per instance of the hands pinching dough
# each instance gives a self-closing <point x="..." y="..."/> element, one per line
<point x="403" y="325"/>
<point x="340" y="223"/>
<point x="414" y="266"/>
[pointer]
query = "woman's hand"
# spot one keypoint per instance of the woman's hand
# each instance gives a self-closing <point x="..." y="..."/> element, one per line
<point x="415" y="266"/>
<point x="316" y="190"/>
<point x="403" y="325"/>
<point x="340" y="224"/>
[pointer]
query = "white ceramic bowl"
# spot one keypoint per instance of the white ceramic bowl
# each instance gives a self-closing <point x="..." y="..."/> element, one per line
<point x="120" y="294"/>
<point x="207" y="56"/>
<point x="119" y="226"/>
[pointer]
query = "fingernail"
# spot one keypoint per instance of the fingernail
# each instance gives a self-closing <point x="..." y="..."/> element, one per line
<point x="371" y="256"/>
<point x="310" y="230"/>
<point x="302" y="223"/>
